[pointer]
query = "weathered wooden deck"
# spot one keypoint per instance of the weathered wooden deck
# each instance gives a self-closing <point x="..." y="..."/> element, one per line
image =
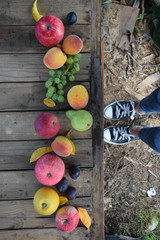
<point x="22" y="77"/>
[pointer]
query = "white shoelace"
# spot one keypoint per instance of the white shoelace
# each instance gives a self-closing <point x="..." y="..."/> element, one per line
<point x="120" y="133"/>
<point x="123" y="110"/>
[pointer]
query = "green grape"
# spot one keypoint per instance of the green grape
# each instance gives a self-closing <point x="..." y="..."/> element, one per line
<point x="59" y="73"/>
<point x="69" y="74"/>
<point x="64" y="82"/>
<point x="72" y="78"/>
<point x="54" y="97"/>
<point x="76" y="60"/>
<point x="69" y="60"/>
<point x="60" y="98"/>
<point x="73" y="71"/>
<point x="49" y="95"/>
<point x="63" y="77"/>
<point x="51" y="72"/>
<point x="78" y="55"/>
<point x="63" y="72"/>
<point x="57" y="80"/>
<point x="49" y="82"/>
<point x="60" y="86"/>
<point x="60" y="92"/>
<point x="63" y="67"/>
<point x="76" y="66"/>
<point x="51" y="89"/>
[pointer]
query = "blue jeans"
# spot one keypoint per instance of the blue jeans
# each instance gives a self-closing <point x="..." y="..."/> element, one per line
<point x="151" y="135"/>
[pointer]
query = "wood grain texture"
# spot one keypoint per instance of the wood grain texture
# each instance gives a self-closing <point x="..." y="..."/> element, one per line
<point x="21" y="214"/>
<point x="22" y="39"/>
<point x="30" y="68"/>
<point x="23" y="184"/>
<point x="43" y="234"/>
<point x="97" y="86"/>
<point x="22" y="75"/>
<point x="20" y="126"/>
<point x="16" y="155"/>
<point x="29" y="96"/>
<point x="10" y="15"/>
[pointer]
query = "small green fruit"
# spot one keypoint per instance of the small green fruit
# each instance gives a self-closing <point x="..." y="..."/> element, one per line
<point x="81" y="120"/>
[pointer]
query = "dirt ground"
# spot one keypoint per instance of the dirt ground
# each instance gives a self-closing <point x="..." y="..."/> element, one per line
<point x="131" y="169"/>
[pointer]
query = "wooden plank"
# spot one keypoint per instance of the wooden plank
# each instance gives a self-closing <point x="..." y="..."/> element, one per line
<point x="20" y="214"/>
<point x="148" y="81"/>
<point x="127" y="17"/>
<point x="16" y="155"/>
<point x="10" y="16"/>
<point x="30" y="68"/>
<point x="133" y="93"/>
<point x="23" y="184"/>
<point x="29" y="96"/>
<point x="22" y="39"/>
<point x="43" y="234"/>
<point x="97" y="98"/>
<point x="20" y="126"/>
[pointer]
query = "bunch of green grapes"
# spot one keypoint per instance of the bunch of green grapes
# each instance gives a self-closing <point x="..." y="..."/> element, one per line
<point x="59" y="78"/>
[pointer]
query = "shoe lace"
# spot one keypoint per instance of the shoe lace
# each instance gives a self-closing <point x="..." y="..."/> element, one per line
<point x="122" y="133"/>
<point x="123" y="110"/>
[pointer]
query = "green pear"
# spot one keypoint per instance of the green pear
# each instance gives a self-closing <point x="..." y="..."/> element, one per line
<point x="81" y="120"/>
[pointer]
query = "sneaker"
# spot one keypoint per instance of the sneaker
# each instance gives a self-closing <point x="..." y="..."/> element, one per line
<point x="120" y="109"/>
<point x="118" y="135"/>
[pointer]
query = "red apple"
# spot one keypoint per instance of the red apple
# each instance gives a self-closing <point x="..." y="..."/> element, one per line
<point x="49" y="169"/>
<point x="49" y="30"/>
<point x="47" y="125"/>
<point x="67" y="218"/>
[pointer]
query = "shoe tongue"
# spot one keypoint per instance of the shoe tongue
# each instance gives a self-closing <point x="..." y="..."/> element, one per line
<point x="123" y="111"/>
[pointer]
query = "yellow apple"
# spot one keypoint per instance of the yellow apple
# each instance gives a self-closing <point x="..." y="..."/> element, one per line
<point x="46" y="201"/>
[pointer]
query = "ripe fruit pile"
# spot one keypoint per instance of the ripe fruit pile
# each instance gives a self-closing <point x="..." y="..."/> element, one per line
<point x="63" y="62"/>
<point x="58" y="79"/>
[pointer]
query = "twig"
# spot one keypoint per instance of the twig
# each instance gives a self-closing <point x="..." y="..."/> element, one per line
<point x="111" y="70"/>
<point x="117" y="166"/>
<point x="108" y="151"/>
<point x="134" y="59"/>
<point x="133" y="49"/>
<point x="152" y="173"/>
<point x="142" y="7"/>
<point x="129" y="65"/>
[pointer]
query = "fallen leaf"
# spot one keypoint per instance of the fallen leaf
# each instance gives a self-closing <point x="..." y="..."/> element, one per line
<point x="49" y="102"/>
<point x="59" y="46"/>
<point x="35" y="12"/>
<point x="39" y="153"/>
<point x="73" y="146"/>
<point x="84" y="217"/>
<point x="62" y="200"/>
<point x="149" y="164"/>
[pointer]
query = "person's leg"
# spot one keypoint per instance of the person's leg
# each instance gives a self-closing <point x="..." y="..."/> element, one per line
<point x="149" y="135"/>
<point x="151" y="103"/>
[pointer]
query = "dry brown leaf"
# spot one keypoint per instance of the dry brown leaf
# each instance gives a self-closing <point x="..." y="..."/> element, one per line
<point x="149" y="164"/>
<point x="39" y="153"/>
<point x="84" y="217"/>
<point x="49" y="102"/>
<point x="62" y="200"/>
